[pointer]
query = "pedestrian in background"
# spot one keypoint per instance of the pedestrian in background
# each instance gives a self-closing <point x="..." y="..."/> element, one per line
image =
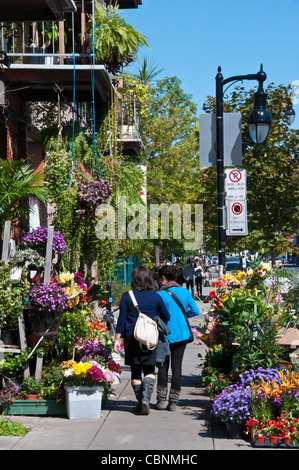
<point x="188" y="274"/>
<point x="199" y="275"/>
<point x="142" y="364"/>
<point x="178" y="337"/>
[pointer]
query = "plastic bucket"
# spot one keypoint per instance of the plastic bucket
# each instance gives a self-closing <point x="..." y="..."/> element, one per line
<point x="84" y="402"/>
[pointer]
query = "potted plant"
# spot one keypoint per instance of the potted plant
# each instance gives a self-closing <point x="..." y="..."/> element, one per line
<point x="116" y="42"/>
<point x="31" y="389"/>
<point x="84" y="384"/>
<point x="37" y="239"/>
<point x="27" y="259"/>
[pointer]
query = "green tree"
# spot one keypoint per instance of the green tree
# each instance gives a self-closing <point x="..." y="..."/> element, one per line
<point x="272" y="174"/>
<point x="171" y="146"/>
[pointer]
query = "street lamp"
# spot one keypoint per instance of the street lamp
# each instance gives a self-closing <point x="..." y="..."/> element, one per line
<point x="259" y="122"/>
<point x="290" y="112"/>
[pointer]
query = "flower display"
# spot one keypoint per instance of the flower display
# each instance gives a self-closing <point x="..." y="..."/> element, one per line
<point x="48" y="297"/>
<point x="38" y="238"/>
<point x="86" y="373"/>
<point x="232" y="405"/>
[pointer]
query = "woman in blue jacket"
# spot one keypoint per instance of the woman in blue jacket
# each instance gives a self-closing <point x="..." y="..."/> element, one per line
<point x="141" y="363"/>
<point x="178" y="337"/>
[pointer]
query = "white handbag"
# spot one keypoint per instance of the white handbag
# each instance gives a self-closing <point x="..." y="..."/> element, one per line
<point x="146" y="329"/>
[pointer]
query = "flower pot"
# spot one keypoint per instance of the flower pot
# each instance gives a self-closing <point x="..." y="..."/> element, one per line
<point x="286" y="440"/>
<point x="273" y="439"/>
<point x="260" y="439"/>
<point x="31" y="396"/>
<point x="233" y="430"/>
<point x="84" y="402"/>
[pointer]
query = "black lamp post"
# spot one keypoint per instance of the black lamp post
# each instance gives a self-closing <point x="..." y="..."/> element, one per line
<point x="259" y="122"/>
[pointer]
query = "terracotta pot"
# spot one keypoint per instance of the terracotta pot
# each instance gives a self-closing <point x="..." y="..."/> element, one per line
<point x="260" y="439"/>
<point x="273" y="439"/>
<point x="285" y="440"/>
<point x="31" y="397"/>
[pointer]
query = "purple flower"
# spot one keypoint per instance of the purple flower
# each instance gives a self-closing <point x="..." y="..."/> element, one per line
<point x="95" y="373"/>
<point x="38" y="238"/>
<point x="48" y="297"/>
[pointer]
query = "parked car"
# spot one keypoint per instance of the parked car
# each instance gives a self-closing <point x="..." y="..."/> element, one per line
<point x="232" y="264"/>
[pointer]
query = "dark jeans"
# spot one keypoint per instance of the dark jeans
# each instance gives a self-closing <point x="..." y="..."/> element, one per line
<point x="191" y="284"/>
<point x="176" y="359"/>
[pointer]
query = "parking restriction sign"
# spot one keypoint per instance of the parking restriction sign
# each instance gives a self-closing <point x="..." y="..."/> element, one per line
<point x="235" y="183"/>
<point x="237" y="217"/>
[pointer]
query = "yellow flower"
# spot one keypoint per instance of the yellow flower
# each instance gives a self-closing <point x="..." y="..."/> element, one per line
<point x="81" y="368"/>
<point x="66" y="277"/>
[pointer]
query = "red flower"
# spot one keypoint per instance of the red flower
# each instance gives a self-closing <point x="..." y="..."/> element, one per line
<point x="212" y="294"/>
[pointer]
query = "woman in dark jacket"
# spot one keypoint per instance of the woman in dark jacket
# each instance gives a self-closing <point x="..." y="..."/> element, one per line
<point x="140" y="362"/>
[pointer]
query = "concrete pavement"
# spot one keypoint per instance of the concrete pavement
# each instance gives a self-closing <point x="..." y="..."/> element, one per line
<point x="190" y="428"/>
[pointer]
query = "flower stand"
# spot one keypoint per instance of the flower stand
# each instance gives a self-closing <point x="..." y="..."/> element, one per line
<point x="84" y="402"/>
<point x="35" y="408"/>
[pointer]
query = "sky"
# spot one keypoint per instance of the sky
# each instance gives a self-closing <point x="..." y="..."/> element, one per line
<point x="189" y="39"/>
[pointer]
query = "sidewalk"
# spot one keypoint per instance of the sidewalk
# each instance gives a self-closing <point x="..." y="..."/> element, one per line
<point x="189" y="428"/>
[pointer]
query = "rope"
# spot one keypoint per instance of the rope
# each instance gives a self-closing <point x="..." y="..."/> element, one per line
<point x="73" y="132"/>
<point x="92" y="60"/>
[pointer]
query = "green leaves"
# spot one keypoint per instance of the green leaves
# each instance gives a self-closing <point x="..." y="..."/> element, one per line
<point x="18" y="181"/>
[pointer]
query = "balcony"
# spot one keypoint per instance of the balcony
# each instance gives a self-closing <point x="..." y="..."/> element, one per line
<point x="128" y="128"/>
<point x="50" y="55"/>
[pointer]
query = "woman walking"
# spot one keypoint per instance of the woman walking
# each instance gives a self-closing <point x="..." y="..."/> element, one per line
<point x="142" y="364"/>
<point x="199" y="275"/>
<point x="178" y="337"/>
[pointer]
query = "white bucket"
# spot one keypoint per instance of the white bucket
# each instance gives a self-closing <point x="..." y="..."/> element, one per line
<point x="84" y="402"/>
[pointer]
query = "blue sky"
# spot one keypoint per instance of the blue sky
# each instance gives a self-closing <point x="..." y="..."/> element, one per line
<point x="189" y="39"/>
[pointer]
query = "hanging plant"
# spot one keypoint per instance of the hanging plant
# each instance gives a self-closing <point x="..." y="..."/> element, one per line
<point x="116" y="42"/>
<point x="92" y="193"/>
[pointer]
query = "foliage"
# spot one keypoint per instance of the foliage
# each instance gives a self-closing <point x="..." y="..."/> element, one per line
<point x="91" y="194"/>
<point x="72" y="326"/>
<point x="18" y="181"/>
<point x="26" y="258"/>
<point x="13" y="364"/>
<point x="116" y="42"/>
<point x="11" y="296"/>
<point x="11" y="428"/>
<point x="30" y="386"/>
<point x="147" y="71"/>
<point x="275" y="193"/>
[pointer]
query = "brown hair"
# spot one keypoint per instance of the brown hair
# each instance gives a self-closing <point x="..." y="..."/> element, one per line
<point x="142" y="279"/>
<point x="170" y="272"/>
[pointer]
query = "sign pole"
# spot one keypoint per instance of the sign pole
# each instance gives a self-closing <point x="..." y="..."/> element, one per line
<point x="220" y="173"/>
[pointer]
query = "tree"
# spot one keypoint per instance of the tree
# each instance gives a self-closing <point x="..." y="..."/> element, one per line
<point x="18" y="181"/>
<point x="171" y="146"/>
<point x="272" y="174"/>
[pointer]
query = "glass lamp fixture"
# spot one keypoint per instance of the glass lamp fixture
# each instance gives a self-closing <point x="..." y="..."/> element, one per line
<point x="259" y="119"/>
<point x="290" y="112"/>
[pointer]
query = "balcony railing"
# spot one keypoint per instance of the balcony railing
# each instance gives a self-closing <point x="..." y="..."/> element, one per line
<point x="50" y="42"/>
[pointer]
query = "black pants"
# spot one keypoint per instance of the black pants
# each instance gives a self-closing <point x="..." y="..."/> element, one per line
<point x="198" y="282"/>
<point x="176" y="359"/>
<point x="138" y="369"/>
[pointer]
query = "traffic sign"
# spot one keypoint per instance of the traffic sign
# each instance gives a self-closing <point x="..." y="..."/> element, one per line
<point x="237" y="217"/>
<point x="235" y="183"/>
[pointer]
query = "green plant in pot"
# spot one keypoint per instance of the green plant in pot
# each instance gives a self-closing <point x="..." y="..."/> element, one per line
<point x="11" y="297"/>
<point x="116" y="42"/>
<point x="31" y="387"/>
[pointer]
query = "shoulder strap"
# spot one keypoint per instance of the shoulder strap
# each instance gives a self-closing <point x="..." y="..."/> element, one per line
<point x="133" y="298"/>
<point x="178" y="302"/>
